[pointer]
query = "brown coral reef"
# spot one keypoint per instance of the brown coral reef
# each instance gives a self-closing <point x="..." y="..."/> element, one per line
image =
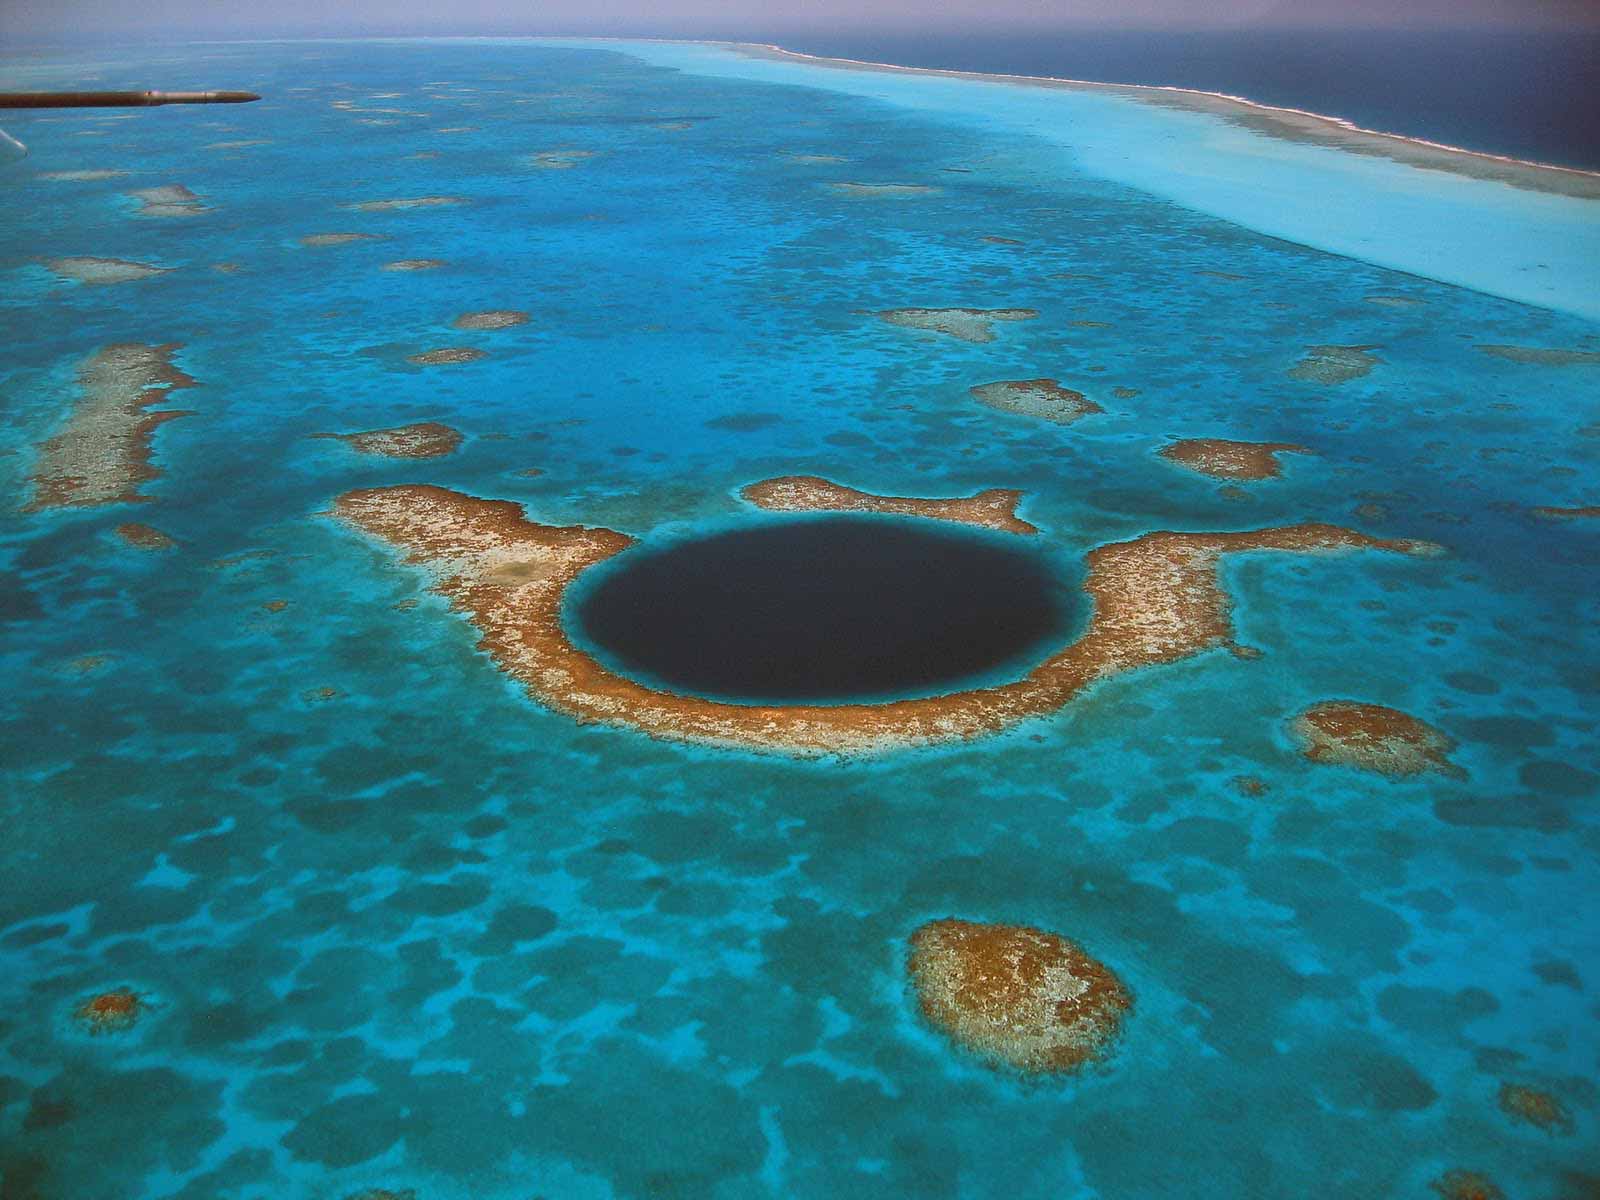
<point x="1334" y="364"/>
<point x="103" y="453"/>
<point x="1352" y="734"/>
<point x="1156" y="599"/>
<point x="494" y="318"/>
<point x="966" y="324"/>
<point x="992" y="509"/>
<point x="1466" y="1185"/>
<point x="426" y="439"/>
<point x="1045" y="399"/>
<point x="1223" y="459"/>
<point x="111" y="1012"/>
<point x="1537" y="1108"/>
<point x="1016" y="995"/>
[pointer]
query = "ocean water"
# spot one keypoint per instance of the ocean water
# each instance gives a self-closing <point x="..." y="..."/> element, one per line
<point x="1521" y="93"/>
<point x="404" y="929"/>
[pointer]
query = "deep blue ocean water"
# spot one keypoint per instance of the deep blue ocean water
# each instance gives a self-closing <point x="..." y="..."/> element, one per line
<point x="405" y="929"/>
<point x="1519" y="93"/>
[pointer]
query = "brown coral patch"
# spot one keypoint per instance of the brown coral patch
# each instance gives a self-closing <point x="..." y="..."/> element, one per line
<point x="1550" y="513"/>
<point x="111" y="1012"/>
<point x="169" y="200"/>
<point x="1156" y="599"/>
<point x="447" y="356"/>
<point x="1352" y="734"/>
<point x="560" y="160"/>
<point x="1536" y="1107"/>
<point x="870" y="191"/>
<point x="494" y="318"/>
<point x="80" y="176"/>
<point x="1544" y="356"/>
<point x="103" y="453"/>
<point x="85" y="269"/>
<point x="967" y="324"/>
<point x="405" y="204"/>
<point x="337" y="239"/>
<point x="426" y="439"/>
<point x="1334" y="364"/>
<point x="415" y="264"/>
<point x="1466" y="1185"/>
<point x="1223" y="459"/>
<point x="993" y="509"/>
<point x="1045" y="399"/>
<point x="1016" y="995"/>
<point x="145" y="537"/>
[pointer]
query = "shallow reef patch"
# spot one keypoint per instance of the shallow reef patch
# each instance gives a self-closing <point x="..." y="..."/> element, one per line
<point x="102" y="454"/>
<point x="1354" y="734"/>
<point x="111" y="1012"/>
<point x="1335" y="364"/>
<point x="169" y="200"/>
<point x="1538" y="1108"/>
<point x="425" y="439"/>
<point x="1224" y="459"/>
<point x="891" y="191"/>
<point x="493" y="318"/>
<point x="966" y="324"/>
<point x="1544" y="356"/>
<point x="405" y="203"/>
<point x="338" y="239"/>
<point x="993" y="509"/>
<point x="1016" y="995"/>
<point x="88" y="269"/>
<point x="415" y="264"/>
<point x="1045" y="399"/>
<point x="447" y="356"/>
<point x="145" y="537"/>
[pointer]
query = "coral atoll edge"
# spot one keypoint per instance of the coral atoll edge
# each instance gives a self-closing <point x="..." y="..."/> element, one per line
<point x="1156" y="599"/>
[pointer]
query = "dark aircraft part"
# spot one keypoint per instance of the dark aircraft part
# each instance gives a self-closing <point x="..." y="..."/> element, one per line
<point x="118" y="99"/>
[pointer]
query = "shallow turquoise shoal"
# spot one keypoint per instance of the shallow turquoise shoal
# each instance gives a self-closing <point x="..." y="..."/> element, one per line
<point x="401" y="928"/>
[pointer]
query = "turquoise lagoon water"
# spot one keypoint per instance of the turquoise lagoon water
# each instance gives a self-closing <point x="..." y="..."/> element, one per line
<point x="417" y="933"/>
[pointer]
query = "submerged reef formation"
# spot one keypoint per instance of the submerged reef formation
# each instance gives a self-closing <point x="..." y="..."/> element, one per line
<point x="1544" y="356"/>
<point x="169" y="200"/>
<point x="447" y="356"/>
<point x="1466" y="1185"/>
<point x="995" y="508"/>
<point x="426" y="439"/>
<point x="1551" y="513"/>
<point x="403" y="204"/>
<point x="560" y="160"/>
<point x="1223" y="459"/>
<point x="1016" y="995"/>
<point x="867" y="191"/>
<point x="1334" y="364"/>
<point x="86" y="176"/>
<point x="103" y="453"/>
<point x="85" y="269"/>
<point x="494" y="318"/>
<point x="1352" y="734"/>
<point x="111" y="1012"/>
<point x="414" y="264"/>
<point x="144" y="537"/>
<point x="967" y="324"/>
<point x="1536" y="1107"/>
<point x="1045" y="399"/>
<point x="338" y="239"/>
<point x="1156" y="599"/>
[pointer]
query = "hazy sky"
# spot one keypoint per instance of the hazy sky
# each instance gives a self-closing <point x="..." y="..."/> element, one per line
<point x="754" y="18"/>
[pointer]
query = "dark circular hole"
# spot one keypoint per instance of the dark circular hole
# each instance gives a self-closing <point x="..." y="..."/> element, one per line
<point x="824" y="609"/>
